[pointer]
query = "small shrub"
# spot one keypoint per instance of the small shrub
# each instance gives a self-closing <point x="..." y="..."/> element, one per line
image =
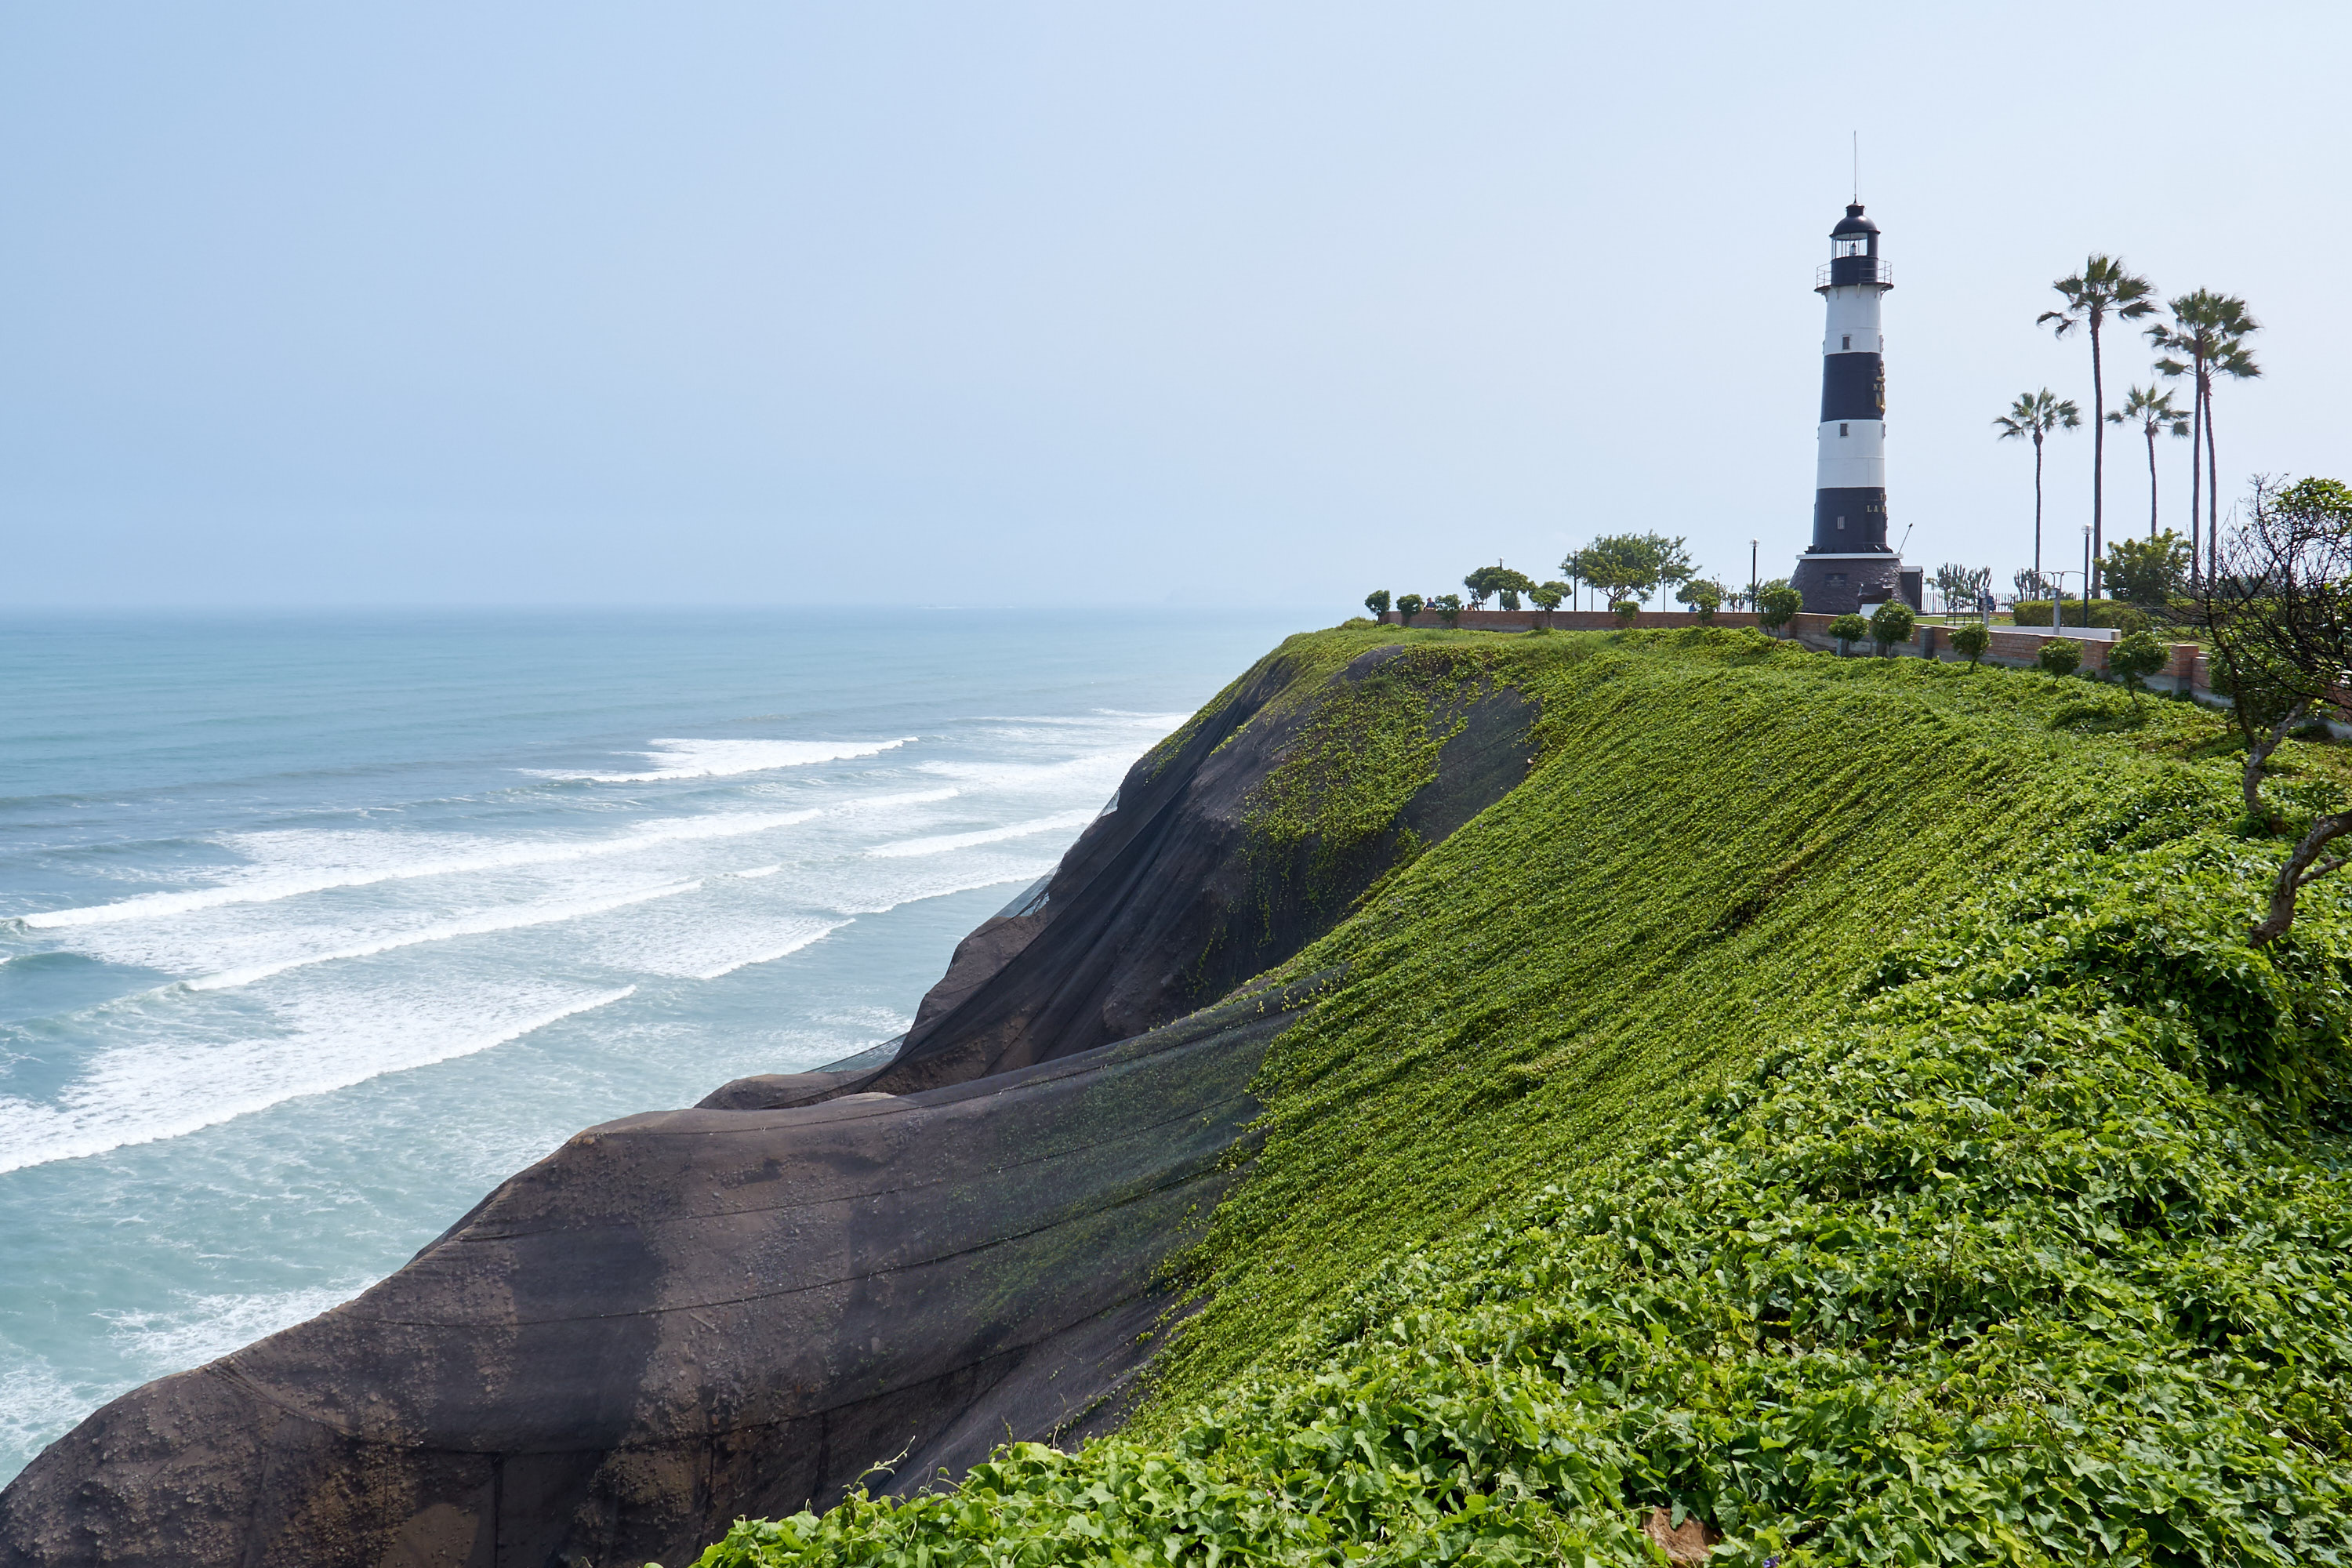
<point x="1448" y="607"/>
<point x="1377" y="601"/>
<point x="1703" y="597"/>
<point x="1971" y="641"/>
<point x="2136" y="655"/>
<point x="1624" y="610"/>
<point x="1777" y="604"/>
<point x="1849" y="631"/>
<point x="2061" y="655"/>
<point x="1409" y="605"/>
<point x="1890" y="624"/>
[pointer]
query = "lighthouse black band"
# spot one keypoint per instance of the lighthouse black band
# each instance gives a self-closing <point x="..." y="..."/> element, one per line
<point x="1854" y="386"/>
<point x="1865" y="511"/>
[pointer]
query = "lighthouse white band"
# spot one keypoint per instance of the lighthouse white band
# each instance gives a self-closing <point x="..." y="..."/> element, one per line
<point x="1853" y="455"/>
<point x="1854" y="321"/>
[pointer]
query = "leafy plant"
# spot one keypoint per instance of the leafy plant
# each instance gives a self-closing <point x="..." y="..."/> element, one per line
<point x="1625" y="610"/>
<point x="1849" y="629"/>
<point x="2135" y="656"/>
<point x="1891" y="623"/>
<point x="1704" y="595"/>
<point x="2147" y="572"/>
<point x="1778" y="604"/>
<point x="1970" y="640"/>
<point x="2104" y="287"/>
<point x="1377" y="602"/>
<point x="1448" y="607"/>
<point x="2059" y="655"/>
<point x="1409" y="605"/>
<point x="2036" y="416"/>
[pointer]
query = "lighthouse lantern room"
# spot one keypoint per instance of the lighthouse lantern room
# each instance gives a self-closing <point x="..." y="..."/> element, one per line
<point x="1850" y="563"/>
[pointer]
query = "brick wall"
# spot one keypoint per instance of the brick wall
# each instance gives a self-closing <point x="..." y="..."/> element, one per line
<point x="2015" y="647"/>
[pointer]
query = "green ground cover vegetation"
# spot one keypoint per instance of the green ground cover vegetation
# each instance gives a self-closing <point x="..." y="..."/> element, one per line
<point x="1834" y="1099"/>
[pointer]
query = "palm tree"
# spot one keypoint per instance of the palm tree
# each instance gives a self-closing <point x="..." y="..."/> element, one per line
<point x="2037" y="414"/>
<point x="2152" y="412"/>
<point x="2211" y="329"/>
<point x="2101" y="289"/>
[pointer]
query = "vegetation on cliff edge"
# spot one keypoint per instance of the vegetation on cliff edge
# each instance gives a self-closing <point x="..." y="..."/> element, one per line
<point x="1833" y="1100"/>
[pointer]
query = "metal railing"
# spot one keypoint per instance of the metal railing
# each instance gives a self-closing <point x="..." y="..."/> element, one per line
<point x="1846" y="270"/>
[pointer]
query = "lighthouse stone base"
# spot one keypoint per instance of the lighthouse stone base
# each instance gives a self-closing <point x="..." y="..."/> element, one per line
<point x="1840" y="584"/>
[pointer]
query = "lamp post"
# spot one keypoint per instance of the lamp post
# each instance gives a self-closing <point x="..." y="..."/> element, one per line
<point x="2086" y="576"/>
<point x="1752" y="576"/>
<point x="2058" y="596"/>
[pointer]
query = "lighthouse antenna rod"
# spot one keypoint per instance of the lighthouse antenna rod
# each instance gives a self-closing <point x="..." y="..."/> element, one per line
<point x="1857" y="167"/>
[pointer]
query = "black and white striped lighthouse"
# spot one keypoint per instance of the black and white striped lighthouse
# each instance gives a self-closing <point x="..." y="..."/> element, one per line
<point x="1850" y="563"/>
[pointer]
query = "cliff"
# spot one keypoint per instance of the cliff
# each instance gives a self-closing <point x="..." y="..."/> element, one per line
<point x="1655" y="1091"/>
<point x="683" y="1317"/>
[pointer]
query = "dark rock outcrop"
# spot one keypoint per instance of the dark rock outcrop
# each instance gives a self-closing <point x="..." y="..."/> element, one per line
<point x="685" y="1316"/>
<point x="1137" y="924"/>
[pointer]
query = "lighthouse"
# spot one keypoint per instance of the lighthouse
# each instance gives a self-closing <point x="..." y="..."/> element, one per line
<point x="1850" y="563"/>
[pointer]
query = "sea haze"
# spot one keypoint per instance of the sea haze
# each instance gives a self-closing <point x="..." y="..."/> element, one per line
<point x="311" y="930"/>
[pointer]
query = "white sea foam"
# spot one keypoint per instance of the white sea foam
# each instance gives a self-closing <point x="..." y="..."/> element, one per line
<point x="945" y="843"/>
<point x="209" y="1326"/>
<point x="156" y="1090"/>
<point x="393" y="859"/>
<point x="679" y="759"/>
<point x="514" y="918"/>
<point x="759" y="871"/>
<point x="1099" y="772"/>
<point x="770" y="955"/>
<point x="37" y="1404"/>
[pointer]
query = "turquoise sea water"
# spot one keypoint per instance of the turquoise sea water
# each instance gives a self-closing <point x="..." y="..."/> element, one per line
<point x="313" y="930"/>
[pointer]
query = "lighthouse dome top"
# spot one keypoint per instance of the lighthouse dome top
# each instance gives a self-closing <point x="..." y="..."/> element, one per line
<point x="1854" y="223"/>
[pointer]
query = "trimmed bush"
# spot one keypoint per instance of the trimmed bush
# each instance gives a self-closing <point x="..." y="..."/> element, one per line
<point x="1971" y="639"/>
<point x="2031" y="613"/>
<point x="1849" y="629"/>
<point x="2061" y="655"/>
<point x="2136" y="655"/>
<point x="1625" y="610"/>
<point x="1891" y="623"/>
<point x="1777" y="604"/>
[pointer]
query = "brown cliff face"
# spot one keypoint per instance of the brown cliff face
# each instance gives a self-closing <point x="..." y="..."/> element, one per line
<point x="685" y="1316"/>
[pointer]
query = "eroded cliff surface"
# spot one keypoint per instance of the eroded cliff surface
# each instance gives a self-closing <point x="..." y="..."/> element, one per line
<point x="689" y="1316"/>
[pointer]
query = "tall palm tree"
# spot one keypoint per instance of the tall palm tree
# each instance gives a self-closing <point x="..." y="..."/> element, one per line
<point x="2102" y="289"/>
<point x="2211" y="329"/>
<point x="2152" y="412"/>
<point x="2038" y="415"/>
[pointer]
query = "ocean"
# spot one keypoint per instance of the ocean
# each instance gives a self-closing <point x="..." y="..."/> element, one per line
<point x="313" y="929"/>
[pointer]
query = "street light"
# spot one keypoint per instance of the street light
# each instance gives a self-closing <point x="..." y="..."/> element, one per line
<point x="2058" y="596"/>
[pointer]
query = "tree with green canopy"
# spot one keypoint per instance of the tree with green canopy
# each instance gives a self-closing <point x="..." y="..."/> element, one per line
<point x="1636" y="564"/>
<point x="1777" y="604"/>
<point x="1448" y="607"/>
<point x="2135" y="656"/>
<point x="1849" y="629"/>
<point x="2276" y="610"/>
<point x="2061" y="655"/>
<point x="1703" y="594"/>
<point x="2036" y="416"/>
<point x="2103" y="287"/>
<point x="1409" y="606"/>
<point x="1547" y="597"/>
<point x="2204" y="341"/>
<point x="1891" y="623"/>
<point x="1377" y="601"/>
<point x="1970" y="640"/>
<point x="2152" y="412"/>
<point x="2147" y="570"/>
<point x="1962" y="585"/>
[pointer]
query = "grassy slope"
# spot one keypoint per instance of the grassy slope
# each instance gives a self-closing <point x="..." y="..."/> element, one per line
<point x="1564" y="1211"/>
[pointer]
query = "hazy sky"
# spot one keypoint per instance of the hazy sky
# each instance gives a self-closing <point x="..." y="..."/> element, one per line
<point x="948" y="304"/>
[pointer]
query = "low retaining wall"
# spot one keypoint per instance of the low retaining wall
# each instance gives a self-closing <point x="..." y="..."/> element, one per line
<point x="2019" y="648"/>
